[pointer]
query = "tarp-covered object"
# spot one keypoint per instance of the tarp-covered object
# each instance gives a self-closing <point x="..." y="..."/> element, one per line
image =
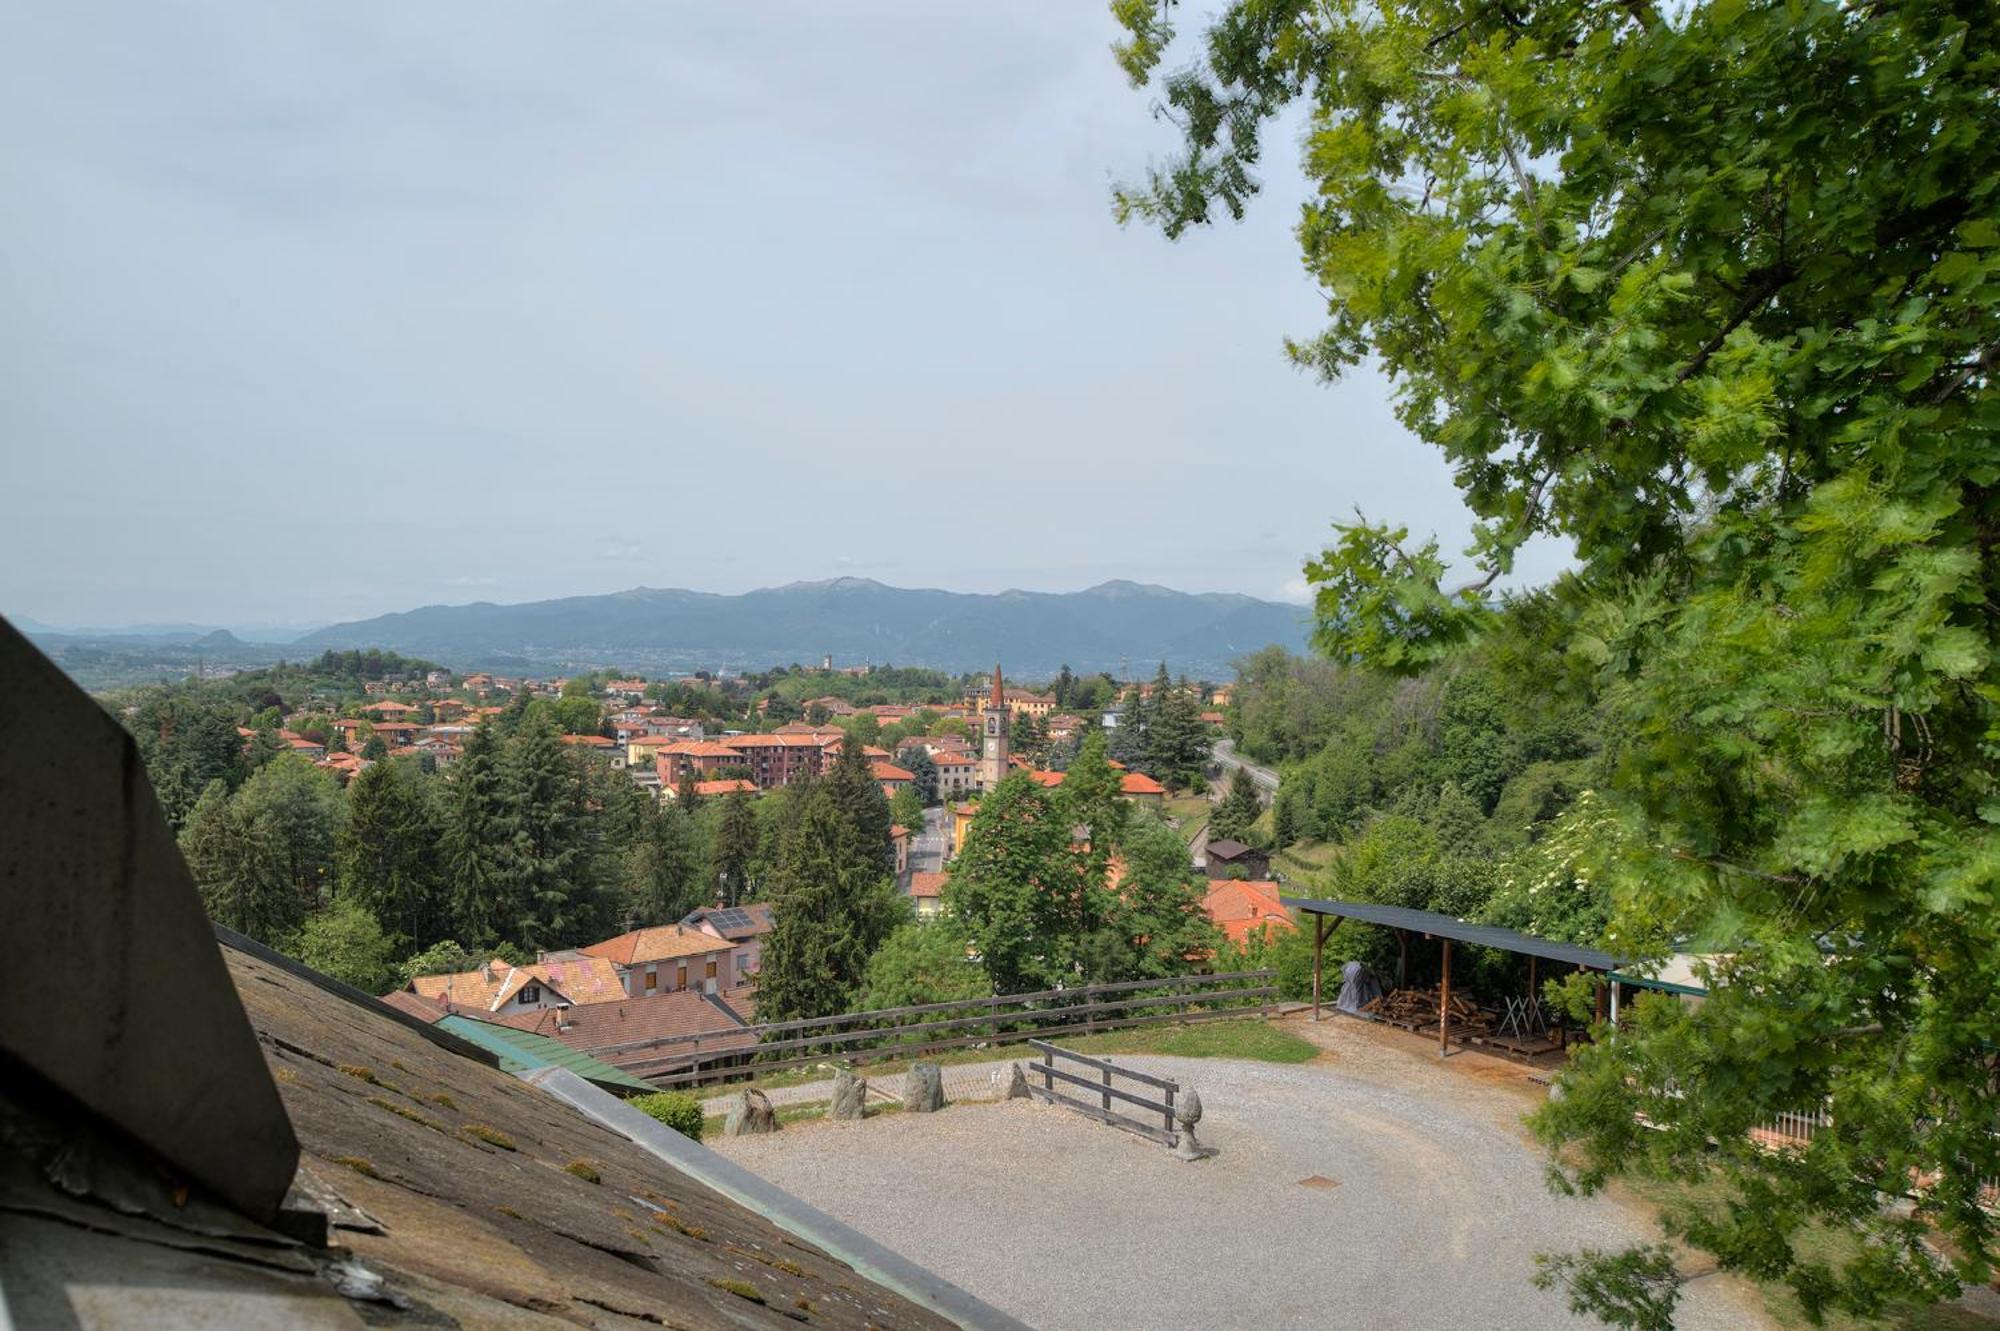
<point x="1358" y="987"/>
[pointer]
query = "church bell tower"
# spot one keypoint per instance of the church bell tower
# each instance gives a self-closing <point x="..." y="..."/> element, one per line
<point x="993" y="724"/>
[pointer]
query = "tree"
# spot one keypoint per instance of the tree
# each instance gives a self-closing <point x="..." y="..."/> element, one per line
<point x="663" y="879"/>
<point x="1239" y="809"/>
<point x="293" y="812"/>
<point x="446" y="957"/>
<point x="1022" y="892"/>
<point x="916" y="760"/>
<point x="925" y="961"/>
<point x="376" y="749"/>
<point x="1091" y="796"/>
<point x="345" y="942"/>
<point x="858" y="795"/>
<point x="1177" y="743"/>
<point x="734" y="850"/>
<point x="1159" y="919"/>
<point x="546" y="880"/>
<point x="1284" y="819"/>
<point x="1703" y="293"/>
<point x="186" y="744"/>
<point x="578" y="716"/>
<point x="1064" y="685"/>
<point x="473" y="855"/>
<point x="906" y="810"/>
<point x="387" y="853"/>
<point x="237" y="870"/>
<point x="832" y="912"/>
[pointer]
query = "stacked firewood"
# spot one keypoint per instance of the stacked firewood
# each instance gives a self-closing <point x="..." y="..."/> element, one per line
<point x="1421" y="1007"/>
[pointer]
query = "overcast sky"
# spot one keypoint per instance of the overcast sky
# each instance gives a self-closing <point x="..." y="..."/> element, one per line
<point x="317" y="310"/>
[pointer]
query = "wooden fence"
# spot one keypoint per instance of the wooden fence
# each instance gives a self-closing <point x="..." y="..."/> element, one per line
<point x="1101" y="1089"/>
<point x="929" y="1028"/>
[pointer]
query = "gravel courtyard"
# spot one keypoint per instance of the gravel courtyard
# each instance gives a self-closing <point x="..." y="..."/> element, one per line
<point x="1433" y="1219"/>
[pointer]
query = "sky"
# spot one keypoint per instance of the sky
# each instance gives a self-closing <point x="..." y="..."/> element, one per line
<point x="319" y="310"/>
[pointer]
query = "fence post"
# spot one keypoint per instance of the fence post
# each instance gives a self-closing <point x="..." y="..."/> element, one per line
<point x="1170" y="1110"/>
<point x="1048" y="1070"/>
<point x="1107" y="1086"/>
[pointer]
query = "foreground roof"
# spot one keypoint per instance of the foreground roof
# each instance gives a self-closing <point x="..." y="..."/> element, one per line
<point x="627" y="1034"/>
<point x="1446" y="926"/>
<point x="520" y="1050"/>
<point x="456" y="1186"/>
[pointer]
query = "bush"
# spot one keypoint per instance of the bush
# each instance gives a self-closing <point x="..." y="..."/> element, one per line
<point x="677" y="1109"/>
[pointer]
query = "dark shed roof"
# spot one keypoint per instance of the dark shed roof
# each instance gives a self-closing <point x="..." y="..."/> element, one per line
<point x="1446" y="926"/>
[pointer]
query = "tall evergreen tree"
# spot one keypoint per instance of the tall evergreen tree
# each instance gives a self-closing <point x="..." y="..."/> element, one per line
<point x="473" y="855"/>
<point x="1238" y="810"/>
<point x="388" y="854"/>
<point x="295" y="811"/>
<point x="923" y="772"/>
<point x="734" y="850"/>
<point x="238" y="870"/>
<point x="547" y="860"/>
<point x="858" y="796"/>
<point x="832" y="912"/>
<point x="1091" y="796"/>
<point x="663" y="879"/>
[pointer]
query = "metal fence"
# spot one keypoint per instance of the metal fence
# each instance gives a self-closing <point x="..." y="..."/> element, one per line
<point x="929" y="1028"/>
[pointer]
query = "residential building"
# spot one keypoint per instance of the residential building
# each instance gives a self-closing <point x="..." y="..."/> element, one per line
<point x="670" y="957"/>
<point x="927" y="894"/>
<point x="1247" y="909"/>
<point x="778" y="760"/>
<point x="957" y="774"/>
<point x="1134" y="786"/>
<point x="500" y="986"/>
<point x="629" y="689"/>
<point x="734" y="785"/>
<point x="1233" y="859"/>
<point x="744" y="926"/>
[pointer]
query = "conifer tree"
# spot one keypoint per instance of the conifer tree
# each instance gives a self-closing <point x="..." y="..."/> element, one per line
<point x="832" y="912"/>
<point x="546" y="859"/>
<point x="663" y="871"/>
<point x="734" y="850"/>
<point x="388" y="854"/>
<point x="237" y="870"/>
<point x="1239" y="808"/>
<point x="858" y="796"/>
<point x="473" y="855"/>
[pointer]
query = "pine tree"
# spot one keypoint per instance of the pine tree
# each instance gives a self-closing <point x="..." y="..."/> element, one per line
<point x="388" y="856"/>
<point x="663" y="871"/>
<point x="858" y="796"/>
<point x="238" y="870"/>
<point x="1065" y="685"/>
<point x="832" y="913"/>
<point x="1239" y="809"/>
<point x="1284" y="820"/>
<point x="544" y="833"/>
<point x="734" y="850"/>
<point x="473" y="856"/>
<point x="923" y="772"/>
<point x="1091" y="797"/>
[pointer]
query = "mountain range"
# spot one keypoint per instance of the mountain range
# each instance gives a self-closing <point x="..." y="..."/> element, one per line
<point x="1112" y="626"/>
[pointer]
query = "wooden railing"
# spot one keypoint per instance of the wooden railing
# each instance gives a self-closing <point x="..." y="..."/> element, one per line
<point x="928" y="1028"/>
<point x="1102" y="1090"/>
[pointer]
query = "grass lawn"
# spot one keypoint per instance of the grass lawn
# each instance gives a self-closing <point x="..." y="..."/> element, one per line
<point x="1305" y="857"/>
<point x="1190" y="814"/>
<point x="1250" y="1038"/>
<point x="1821" y="1246"/>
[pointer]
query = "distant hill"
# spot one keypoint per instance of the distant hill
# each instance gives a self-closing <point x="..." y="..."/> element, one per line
<point x="856" y="619"/>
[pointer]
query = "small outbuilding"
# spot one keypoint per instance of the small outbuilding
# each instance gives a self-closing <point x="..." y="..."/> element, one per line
<point x="1233" y="859"/>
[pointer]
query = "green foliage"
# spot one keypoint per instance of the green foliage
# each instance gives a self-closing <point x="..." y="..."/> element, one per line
<point x="834" y="906"/>
<point x="1712" y="296"/>
<point x="1239" y="809"/>
<point x="345" y="942"/>
<point x="663" y="868"/>
<point x="924" y="962"/>
<point x="441" y="958"/>
<point x="733" y="849"/>
<point x="387" y="852"/>
<point x="578" y="716"/>
<point x="1635" y="1289"/>
<point x="906" y="809"/>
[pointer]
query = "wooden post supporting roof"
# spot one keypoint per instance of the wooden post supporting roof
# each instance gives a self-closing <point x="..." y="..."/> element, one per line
<point x="1444" y="1002"/>
<point x="1319" y="947"/>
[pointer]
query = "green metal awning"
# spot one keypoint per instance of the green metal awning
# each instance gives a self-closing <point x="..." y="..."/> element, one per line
<point x="525" y="1051"/>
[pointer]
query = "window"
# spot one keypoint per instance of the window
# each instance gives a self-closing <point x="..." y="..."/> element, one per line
<point x="709" y="973"/>
<point x="531" y="993"/>
<point x="652" y="980"/>
<point x="681" y="976"/>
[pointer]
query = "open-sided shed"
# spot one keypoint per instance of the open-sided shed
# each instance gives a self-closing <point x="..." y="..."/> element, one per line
<point x="1448" y="929"/>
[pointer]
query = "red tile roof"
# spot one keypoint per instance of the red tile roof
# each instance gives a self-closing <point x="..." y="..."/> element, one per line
<point x="729" y="787"/>
<point x="656" y="944"/>
<point x="927" y="884"/>
<point x="946" y="758"/>
<point x="1244" y="908"/>
<point x="590" y="741"/>
<point x="608" y="1030"/>
<point x="887" y="771"/>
